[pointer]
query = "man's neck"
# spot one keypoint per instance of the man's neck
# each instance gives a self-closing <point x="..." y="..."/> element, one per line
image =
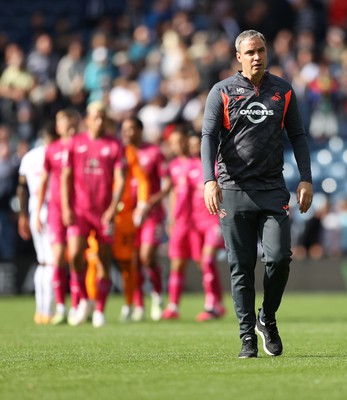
<point x="255" y="79"/>
<point x="64" y="139"/>
<point x="94" y="135"/>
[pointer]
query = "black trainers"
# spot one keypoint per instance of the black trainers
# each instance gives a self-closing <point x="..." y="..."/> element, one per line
<point x="249" y="347"/>
<point x="272" y="342"/>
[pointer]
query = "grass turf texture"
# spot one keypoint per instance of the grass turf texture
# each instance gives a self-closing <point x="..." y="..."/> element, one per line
<point x="174" y="359"/>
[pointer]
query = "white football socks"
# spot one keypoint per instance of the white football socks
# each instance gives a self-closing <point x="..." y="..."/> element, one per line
<point x="48" y="293"/>
<point x="39" y="296"/>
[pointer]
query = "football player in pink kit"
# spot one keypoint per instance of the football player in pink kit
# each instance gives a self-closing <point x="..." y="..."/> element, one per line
<point x="67" y="121"/>
<point x="151" y="232"/>
<point x="179" y="224"/>
<point x="206" y="237"/>
<point x="92" y="185"/>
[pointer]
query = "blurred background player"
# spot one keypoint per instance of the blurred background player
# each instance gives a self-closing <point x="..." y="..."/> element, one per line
<point x="206" y="237"/>
<point x="150" y="233"/>
<point x="66" y="124"/>
<point x="179" y="224"/>
<point x="30" y="171"/>
<point x="92" y="186"/>
<point x="131" y="214"/>
<point x="192" y="233"/>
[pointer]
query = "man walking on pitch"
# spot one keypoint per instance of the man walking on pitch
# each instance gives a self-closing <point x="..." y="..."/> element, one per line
<point x="245" y="118"/>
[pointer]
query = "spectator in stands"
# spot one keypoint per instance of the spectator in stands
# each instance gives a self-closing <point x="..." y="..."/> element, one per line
<point x="331" y="231"/>
<point x="333" y="47"/>
<point x="337" y="12"/>
<point x="16" y="84"/>
<point x="8" y="182"/>
<point x="157" y="113"/>
<point x="124" y="99"/>
<point x="342" y="210"/>
<point x="203" y="58"/>
<point x="173" y="52"/>
<point x="149" y="77"/>
<point x="282" y="53"/>
<point x="322" y="95"/>
<point x="99" y="75"/>
<point x="309" y="16"/>
<point x="125" y="67"/>
<point x="309" y="242"/>
<point x="304" y="70"/>
<point x="342" y="106"/>
<point x="159" y="13"/>
<point x="183" y="24"/>
<point x="4" y="40"/>
<point x="42" y="63"/>
<point x="70" y="73"/>
<point x="141" y="46"/>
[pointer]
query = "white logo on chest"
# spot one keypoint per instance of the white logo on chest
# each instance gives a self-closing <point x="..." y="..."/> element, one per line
<point x="255" y="110"/>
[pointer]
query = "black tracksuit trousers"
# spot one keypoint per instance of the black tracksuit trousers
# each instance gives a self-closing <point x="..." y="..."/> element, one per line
<point x="245" y="217"/>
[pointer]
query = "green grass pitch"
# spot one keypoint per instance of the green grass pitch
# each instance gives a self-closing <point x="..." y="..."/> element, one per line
<point x="175" y="359"/>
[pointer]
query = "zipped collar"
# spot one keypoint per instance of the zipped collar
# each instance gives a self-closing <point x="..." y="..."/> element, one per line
<point x="255" y="87"/>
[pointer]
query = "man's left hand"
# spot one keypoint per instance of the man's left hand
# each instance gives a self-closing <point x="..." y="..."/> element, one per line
<point x="304" y="196"/>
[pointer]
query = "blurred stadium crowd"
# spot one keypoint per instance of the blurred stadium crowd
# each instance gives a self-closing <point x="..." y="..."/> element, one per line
<point x="157" y="59"/>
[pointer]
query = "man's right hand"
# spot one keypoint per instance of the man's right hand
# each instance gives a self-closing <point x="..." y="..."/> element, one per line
<point x="213" y="196"/>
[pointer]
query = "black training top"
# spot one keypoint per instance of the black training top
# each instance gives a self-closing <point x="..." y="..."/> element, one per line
<point x="243" y="129"/>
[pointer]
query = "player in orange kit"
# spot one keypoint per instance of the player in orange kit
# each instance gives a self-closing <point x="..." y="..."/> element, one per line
<point x="131" y="213"/>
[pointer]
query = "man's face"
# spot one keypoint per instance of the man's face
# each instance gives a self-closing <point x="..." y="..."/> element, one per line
<point x="177" y="143"/>
<point x="96" y="121"/>
<point x="130" y="132"/>
<point x="62" y="125"/>
<point x="194" y="144"/>
<point x="253" y="58"/>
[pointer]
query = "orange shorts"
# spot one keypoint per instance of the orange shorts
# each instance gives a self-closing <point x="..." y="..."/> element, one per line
<point x="124" y="237"/>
